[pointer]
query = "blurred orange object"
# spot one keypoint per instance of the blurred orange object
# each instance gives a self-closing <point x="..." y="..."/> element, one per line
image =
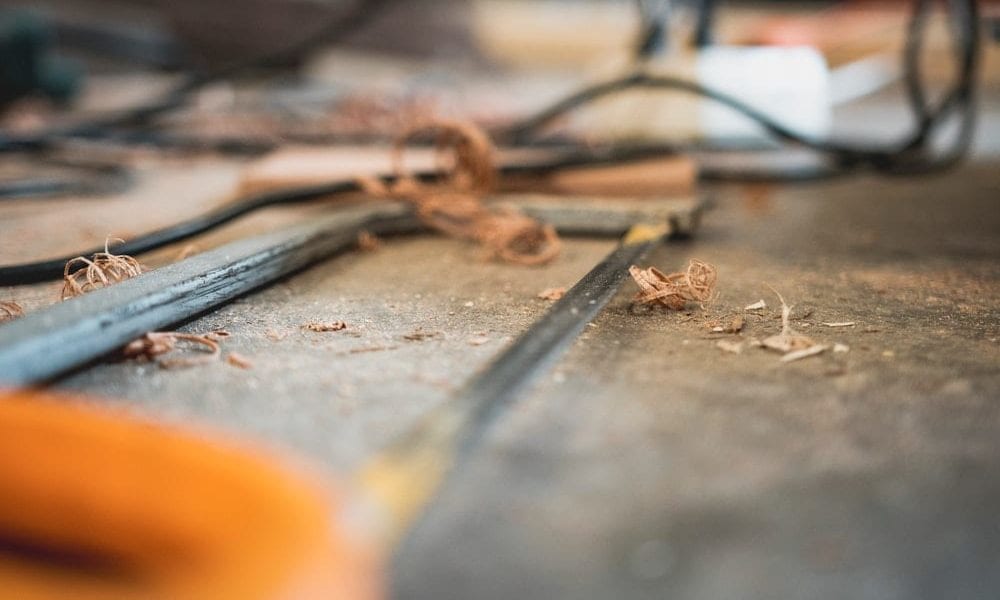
<point x="96" y="504"/>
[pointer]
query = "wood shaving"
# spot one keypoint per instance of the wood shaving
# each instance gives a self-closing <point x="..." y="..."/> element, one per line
<point x="788" y="340"/>
<point x="552" y="294"/>
<point x="734" y="326"/>
<point x="238" y="360"/>
<point x="839" y="324"/>
<point x="10" y="310"/>
<point x="368" y="242"/>
<point x="804" y="353"/>
<point x="364" y="349"/>
<point x="728" y="346"/>
<point x="82" y="275"/>
<point x="325" y="327"/>
<point x="758" y="305"/>
<point x="453" y="205"/>
<point x="155" y="344"/>
<point x="676" y="290"/>
<point x="420" y="335"/>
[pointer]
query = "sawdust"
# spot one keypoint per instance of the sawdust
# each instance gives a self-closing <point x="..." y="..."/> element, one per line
<point x="368" y="241"/>
<point x="552" y="294"/>
<point x="453" y="205"/>
<point x="155" y="344"/>
<point x="10" y="310"/>
<point x="676" y="290"/>
<point x="366" y="349"/>
<point x="325" y="327"/>
<point x="735" y="325"/>
<point x="102" y="270"/>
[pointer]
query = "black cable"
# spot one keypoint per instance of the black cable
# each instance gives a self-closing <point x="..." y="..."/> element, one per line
<point x="52" y="269"/>
<point x="332" y="32"/>
<point x="907" y="157"/>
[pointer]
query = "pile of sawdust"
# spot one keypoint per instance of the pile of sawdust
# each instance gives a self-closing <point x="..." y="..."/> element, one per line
<point x="102" y="270"/>
<point x="453" y="205"/>
<point x="676" y="290"/>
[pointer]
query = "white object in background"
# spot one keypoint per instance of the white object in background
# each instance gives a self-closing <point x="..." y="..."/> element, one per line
<point x="788" y="84"/>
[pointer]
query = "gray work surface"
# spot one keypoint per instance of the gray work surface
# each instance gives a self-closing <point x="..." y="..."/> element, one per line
<point x="650" y="463"/>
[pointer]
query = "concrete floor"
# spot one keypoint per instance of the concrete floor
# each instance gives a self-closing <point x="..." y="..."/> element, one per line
<point x="650" y="463"/>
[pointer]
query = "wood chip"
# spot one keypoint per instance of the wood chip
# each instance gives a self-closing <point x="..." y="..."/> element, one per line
<point x="552" y="293"/>
<point x="157" y="343"/>
<point x="841" y="348"/>
<point x="839" y="324"/>
<point x="804" y="353"/>
<point x="238" y="360"/>
<point x="478" y="340"/>
<point x="788" y="340"/>
<point x="758" y="305"/>
<point x="325" y="327"/>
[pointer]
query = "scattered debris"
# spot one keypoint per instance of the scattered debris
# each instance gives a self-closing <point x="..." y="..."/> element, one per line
<point x="728" y="346"/>
<point x="157" y="343"/>
<point x="788" y="340"/>
<point x="674" y="291"/>
<point x="275" y="336"/>
<point x="478" y="340"/>
<point x="325" y="327"/>
<point x="839" y="324"/>
<point x="102" y="270"/>
<point x="10" y="310"/>
<point x="734" y="326"/>
<point x="363" y="349"/>
<point x="368" y="241"/>
<point x="804" y="353"/>
<point x="758" y="305"/>
<point x="841" y="348"/>
<point x="420" y="335"/>
<point x="552" y="294"/>
<point x="238" y="360"/>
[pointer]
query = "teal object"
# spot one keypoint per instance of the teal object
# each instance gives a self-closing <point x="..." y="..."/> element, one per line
<point x="29" y="64"/>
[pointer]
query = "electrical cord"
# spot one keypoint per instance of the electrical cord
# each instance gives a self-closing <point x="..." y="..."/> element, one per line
<point x="909" y="157"/>
<point x="48" y="270"/>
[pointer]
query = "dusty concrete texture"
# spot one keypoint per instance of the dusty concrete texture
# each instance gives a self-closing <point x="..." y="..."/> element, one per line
<point x="650" y="463"/>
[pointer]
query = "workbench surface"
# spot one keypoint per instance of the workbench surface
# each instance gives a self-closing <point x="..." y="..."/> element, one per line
<point x="649" y="463"/>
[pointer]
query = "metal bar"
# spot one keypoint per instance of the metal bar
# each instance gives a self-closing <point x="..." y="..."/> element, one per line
<point x="402" y="480"/>
<point x="53" y="340"/>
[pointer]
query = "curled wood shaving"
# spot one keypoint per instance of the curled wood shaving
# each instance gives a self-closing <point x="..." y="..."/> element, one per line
<point x="552" y="293"/>
<point x="790" y="341"/>
<point x="676" y="290"/>
<point x="10" y="310"/>
<point x="155" y="344"/>
<point x="82" y="275"/>
<point x="324" y="327"/>
<point x="453" y="204"/>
